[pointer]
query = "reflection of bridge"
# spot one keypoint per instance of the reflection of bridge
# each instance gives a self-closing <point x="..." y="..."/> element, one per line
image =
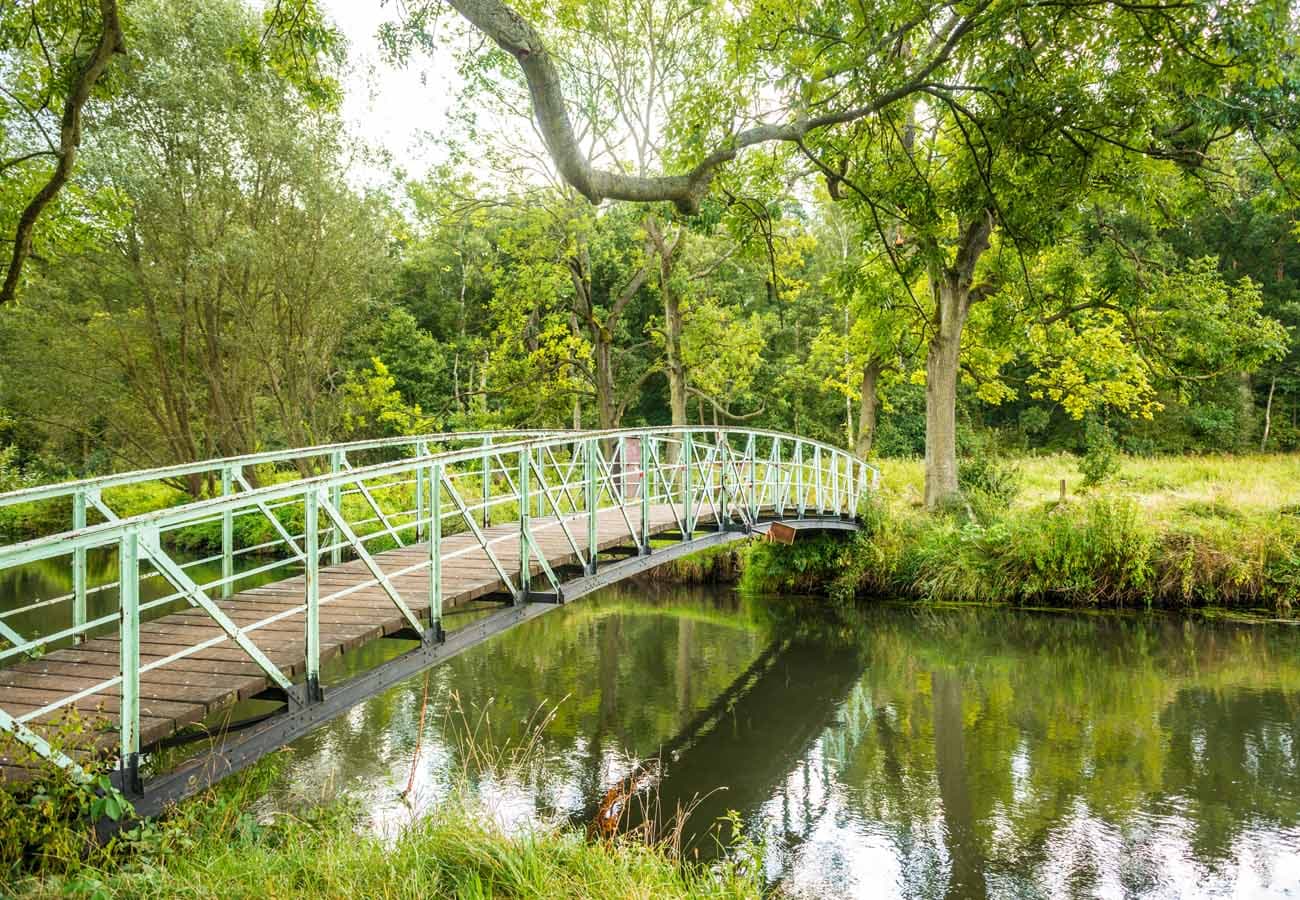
<point x="508" y="524"/>
<point x="743" y="748"/>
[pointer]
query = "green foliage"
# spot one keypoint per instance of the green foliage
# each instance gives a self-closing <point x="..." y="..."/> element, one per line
<point x="1101" y="456"/>
<point x="215" y="846"/>
<point x="987" y="478"/>
<point x="374" y="408"/>
<point x="47" y="821"/>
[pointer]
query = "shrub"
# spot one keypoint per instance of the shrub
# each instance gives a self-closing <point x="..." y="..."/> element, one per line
<point x="990" y="482"/>
<point x="47" y="823"/>
<point x="1101" y="457"/>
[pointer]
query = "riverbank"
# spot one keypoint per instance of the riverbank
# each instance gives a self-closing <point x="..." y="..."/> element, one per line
<point x="1179" y="532"/>
<point x="214" y="846"/>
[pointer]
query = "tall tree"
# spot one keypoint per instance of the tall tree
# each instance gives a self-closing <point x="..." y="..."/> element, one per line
<point x="228" y="260"/>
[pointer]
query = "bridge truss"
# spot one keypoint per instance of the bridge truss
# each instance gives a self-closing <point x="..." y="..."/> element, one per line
<point x="510" y="524"/>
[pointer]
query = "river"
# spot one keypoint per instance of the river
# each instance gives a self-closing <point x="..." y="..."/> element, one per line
<point x="884" y="751"/>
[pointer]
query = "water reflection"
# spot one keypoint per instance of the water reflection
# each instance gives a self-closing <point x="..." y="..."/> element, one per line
<point x="885" y="752"/>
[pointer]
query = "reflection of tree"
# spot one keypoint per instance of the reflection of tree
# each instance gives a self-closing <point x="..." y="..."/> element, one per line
<point x="966" y="859"/>
<point x="1043" y="738"/>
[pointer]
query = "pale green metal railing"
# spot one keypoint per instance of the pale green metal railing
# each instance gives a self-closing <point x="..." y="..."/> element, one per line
<point x="232" y="474"/>
<point x="718" y="477"/>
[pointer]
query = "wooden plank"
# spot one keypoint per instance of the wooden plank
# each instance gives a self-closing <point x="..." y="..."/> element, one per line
<point x="202" y="682"/>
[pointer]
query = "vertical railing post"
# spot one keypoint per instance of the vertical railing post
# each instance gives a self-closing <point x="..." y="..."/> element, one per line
<point x="817" y="478"/>
<point x="800" y="493"/>
<point x="311" y="584"/>
<point x="688" y="484"/>
<point x="541" y="493"/>
<point x="129" y="647"/>
<point x="620" y="471"/>
<point x="435" y="552"/>
<point x="751" y="454"/>
<point x="848" y="487"/>
<point x="525" y="576"/>
<point x="835" y="483"/>
<point x="589" y="447"/>
<point x="487" y="482"/>
<point x="645" y="494"/>
<point x="774" y="479"/>
<point x="79" y="564"/>
<point x="724" y="504"/>
<point x="227" y="533"/>
<point x="421" y="451"/>
<point x="337" y="460"/>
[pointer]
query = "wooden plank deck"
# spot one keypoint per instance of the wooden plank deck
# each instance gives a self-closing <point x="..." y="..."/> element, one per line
<point x="189" y="690"/>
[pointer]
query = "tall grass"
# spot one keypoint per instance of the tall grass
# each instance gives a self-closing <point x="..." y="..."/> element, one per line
<point x="214" y="846"/>
<point x="1173" y="532"/>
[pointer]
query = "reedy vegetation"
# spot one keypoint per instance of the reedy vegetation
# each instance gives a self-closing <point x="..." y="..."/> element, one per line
<point x="216" y="845"/>
<point x="1170" y="533"/>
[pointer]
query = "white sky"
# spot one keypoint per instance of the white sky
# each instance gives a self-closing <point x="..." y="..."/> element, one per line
<point x="396" y="109"/>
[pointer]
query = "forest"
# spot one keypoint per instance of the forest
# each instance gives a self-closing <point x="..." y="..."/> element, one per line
<point x="1030" y="268"/>
<point x="1006" y="228"/>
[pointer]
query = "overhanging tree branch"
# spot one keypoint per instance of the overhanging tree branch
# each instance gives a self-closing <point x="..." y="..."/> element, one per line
<point x="517" y="37"/>
<point x="110" y="42"/>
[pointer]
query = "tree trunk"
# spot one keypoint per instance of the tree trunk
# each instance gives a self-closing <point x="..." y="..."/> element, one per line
<point x="673" y="364"/>
<point x="1268" y="414"/>
<point x="952" y="294"/>
<point x="867" y="406"/>
<point x="941" y="375"/>
<point x="1246" y="405"/>
<point x="603" y="355"/>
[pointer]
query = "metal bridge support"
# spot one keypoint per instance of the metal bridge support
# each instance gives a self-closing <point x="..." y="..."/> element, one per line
<point x="435" y="553"/>
<point x="311" y="583"/>
<point x="688" y="488"/>
<point x="800" y="493"/>
<point x="338" y="461"/>
<point x="227" y="534"/>
<point x="487" y="482"/>
<point x="79" y="565"/>
<point x="129" y="647"/>
<point x="525" y="499"/>
<point x="645" y="495"/>
<point x="589" y="450"/>
<point x="421" y="450"/>
<point x="817" y="479"/>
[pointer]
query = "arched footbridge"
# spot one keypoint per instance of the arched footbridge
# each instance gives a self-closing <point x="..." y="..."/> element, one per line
<point x="444" y="540"/>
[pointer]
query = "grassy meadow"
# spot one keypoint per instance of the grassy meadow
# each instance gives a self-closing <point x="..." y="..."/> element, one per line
<point x="1215" y="531"/>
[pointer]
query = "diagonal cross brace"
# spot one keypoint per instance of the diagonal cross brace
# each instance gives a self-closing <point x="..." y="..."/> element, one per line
<point x="351" y="537"/>
<point x="559" y="516"/>
<point x="41" y="747"/>
<point x="615" y="492"/>
<point x="478" y="534"/>
<point x="266" y="511"/>
<point x="546" y="566"/>
<point x="10" y="635"/>
<point x="383" y="518"/>
<point x="183" y="582"/>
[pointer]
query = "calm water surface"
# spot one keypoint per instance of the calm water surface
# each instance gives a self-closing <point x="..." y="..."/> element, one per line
<point x="888" y="751"/>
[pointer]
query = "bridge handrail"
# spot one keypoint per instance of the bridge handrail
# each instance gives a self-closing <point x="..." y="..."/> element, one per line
<point x="57" y="489"/>
<point x="174" y="516"/>
<point x="695" y="471"/>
